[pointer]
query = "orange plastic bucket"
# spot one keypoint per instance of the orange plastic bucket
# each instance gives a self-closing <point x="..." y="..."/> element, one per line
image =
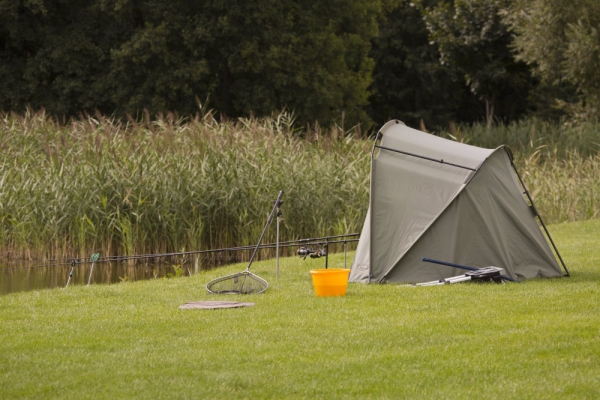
<point x="330" y="282"/>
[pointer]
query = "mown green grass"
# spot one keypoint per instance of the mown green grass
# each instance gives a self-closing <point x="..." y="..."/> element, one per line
<point x="537" y="339"/>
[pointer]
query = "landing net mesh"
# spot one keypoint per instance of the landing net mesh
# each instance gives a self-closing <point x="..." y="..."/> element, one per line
<point x="241" y="283"/>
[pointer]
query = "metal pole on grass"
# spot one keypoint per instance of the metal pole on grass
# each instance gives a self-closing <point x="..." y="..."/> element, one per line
<point x="278" y="204"/>
<point x="277" y="252"/>
<point x="262" y="235"/>
<point x="345" y="254"/>
<point x="326" y="253"/>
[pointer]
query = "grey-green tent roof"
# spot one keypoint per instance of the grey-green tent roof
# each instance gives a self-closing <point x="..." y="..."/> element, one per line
<point x="449" y="201"/>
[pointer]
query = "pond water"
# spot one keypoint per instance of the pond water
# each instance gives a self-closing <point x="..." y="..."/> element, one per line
<point x="24" y="276"/>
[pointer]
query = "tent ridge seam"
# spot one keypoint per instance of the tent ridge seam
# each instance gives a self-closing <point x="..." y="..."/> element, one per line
<point x="441" y="161"/>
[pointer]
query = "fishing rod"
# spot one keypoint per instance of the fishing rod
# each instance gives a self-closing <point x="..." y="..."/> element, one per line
<point x="298" y="242"/>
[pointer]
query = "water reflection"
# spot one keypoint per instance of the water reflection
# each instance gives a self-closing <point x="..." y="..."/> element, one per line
<point x="22" y="276"/>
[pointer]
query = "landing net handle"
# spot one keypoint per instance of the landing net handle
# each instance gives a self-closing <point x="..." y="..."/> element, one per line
<point x="276" y="206"/>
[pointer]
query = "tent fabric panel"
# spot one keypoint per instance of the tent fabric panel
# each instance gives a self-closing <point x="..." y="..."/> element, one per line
<point x="439" y="242"/>
<point x="401" y="137"/>
<point x="360" y="271"/>
<point x="489" y="224"/>
<point x="393" y="178"/>
<point x="408" y="195"/>
<point x="527" y="250"/>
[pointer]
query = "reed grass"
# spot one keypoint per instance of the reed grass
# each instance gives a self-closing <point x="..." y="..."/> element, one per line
<point x="98" y="184"/>
<point x="554" y="139"/>
<point x="563" y="189"/>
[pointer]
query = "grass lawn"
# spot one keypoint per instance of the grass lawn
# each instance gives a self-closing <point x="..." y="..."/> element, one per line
<point x="538" y="339"/>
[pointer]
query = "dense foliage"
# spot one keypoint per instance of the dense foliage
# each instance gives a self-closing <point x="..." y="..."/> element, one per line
<point x="336" y="62"/>
<point x="561" y="40"/>
<point x="474" y="40"/>
<point x="127" y="56"/>
<point x="409" y="82"/>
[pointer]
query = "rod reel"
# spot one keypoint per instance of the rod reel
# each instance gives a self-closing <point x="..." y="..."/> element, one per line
<point x="306" y="251"/>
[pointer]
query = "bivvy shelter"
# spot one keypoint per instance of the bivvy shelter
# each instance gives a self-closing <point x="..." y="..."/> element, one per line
<point x="449" y="201"/>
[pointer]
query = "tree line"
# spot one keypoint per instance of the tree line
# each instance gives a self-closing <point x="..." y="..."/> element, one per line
<point x="339" y="62"/>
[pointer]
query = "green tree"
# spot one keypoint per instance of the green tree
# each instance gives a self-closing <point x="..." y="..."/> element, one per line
<point x="561" y="40"/>
<point x="127" y="56"/>
<point x="53" y="54"/>
<point x="309" y="56"/>
<point x="409" y="83"/>
<point x="162" y="63"/>
<point x="473" y="38"/>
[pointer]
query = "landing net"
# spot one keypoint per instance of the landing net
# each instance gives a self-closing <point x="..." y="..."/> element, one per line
<point x="241" y="283"/>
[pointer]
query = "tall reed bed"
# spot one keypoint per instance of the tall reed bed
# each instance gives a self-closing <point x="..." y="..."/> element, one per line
<point x="564" y="189"/>
<point x="96" y="184"/>
<point x="554" y="139"/>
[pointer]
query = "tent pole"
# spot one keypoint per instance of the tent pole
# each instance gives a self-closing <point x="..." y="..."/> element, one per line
<point x="535" y="211"/>
<point x="277" y="251"/>
<point x="426" y="158"/>
<point x="326" y="254"/>
<point x="377" y="138"/>
<point x="379" y="135"/>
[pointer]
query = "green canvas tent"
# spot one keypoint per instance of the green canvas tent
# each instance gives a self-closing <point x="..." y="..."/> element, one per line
<point x="444" y="200"/>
